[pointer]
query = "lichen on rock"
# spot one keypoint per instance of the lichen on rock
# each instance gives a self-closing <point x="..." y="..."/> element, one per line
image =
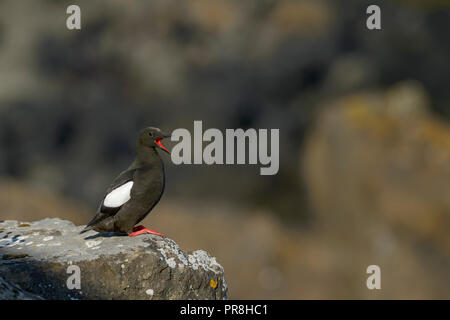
<point x="37" y="258"/>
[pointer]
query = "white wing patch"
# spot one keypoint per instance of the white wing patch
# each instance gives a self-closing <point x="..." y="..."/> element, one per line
<point x="118" y="196"/>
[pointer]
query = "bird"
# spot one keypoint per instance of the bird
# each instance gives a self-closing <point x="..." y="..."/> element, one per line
<point x="135" y="191"/>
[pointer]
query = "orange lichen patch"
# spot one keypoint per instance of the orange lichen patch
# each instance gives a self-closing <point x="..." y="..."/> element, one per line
<point x="22" y="225"/>
<point x="213" y="284"/>
<point x="213" y="15"/>
<point x="301" y="17"/>
<point x="364" y="116"/>
<point x="437" y="133"/>
<point x="376" y="116"/>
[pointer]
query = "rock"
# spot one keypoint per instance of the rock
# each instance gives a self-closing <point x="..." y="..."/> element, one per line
<point x="36" y="256"/>
<point x="382" y="156"/>
<point x="9" y="291"/>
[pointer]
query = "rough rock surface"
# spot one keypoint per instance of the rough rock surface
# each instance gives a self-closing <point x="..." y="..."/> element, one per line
<point x="9" y="291"/>
<point x="36" y="257"/>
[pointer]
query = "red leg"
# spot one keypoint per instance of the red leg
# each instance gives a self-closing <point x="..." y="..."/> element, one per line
<point x="141" y="229"/>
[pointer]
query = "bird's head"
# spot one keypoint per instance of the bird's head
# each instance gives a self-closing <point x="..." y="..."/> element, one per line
<point x="151" y="137"/>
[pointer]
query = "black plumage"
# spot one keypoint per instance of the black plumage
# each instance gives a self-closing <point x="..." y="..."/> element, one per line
<point x="147" y="178"/>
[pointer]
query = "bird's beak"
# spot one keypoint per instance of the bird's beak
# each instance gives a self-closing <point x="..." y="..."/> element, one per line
<point x="158" y="142"/>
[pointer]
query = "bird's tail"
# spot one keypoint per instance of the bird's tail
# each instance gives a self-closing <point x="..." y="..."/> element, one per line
<point x="91" y="224"/>
<point x="87" y="228"/>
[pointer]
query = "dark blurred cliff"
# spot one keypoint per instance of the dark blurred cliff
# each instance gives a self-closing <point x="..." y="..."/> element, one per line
<point x="363" y="118"/>
<point x="72" y="102"/>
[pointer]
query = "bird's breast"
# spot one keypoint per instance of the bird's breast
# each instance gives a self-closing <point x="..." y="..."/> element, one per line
<point x="148" y="186"/>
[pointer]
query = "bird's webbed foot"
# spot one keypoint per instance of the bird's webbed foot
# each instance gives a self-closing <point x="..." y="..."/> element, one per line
<point x="141" y="230"/>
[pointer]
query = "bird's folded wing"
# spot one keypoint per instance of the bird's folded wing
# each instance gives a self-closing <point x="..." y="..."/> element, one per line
<point x="119" y="192"/>
<point x="117" y="195"/>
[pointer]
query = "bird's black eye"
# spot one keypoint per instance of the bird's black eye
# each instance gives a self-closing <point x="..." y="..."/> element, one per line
<point x="150" y="134"/>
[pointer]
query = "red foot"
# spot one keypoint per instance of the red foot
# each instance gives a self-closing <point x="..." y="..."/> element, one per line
<point x="141" y="229"/>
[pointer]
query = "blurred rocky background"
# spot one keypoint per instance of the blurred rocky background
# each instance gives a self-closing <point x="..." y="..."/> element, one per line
<point x="364" y="132"/>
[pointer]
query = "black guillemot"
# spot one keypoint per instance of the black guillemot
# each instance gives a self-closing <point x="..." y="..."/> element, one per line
<point x="135" y="191"/>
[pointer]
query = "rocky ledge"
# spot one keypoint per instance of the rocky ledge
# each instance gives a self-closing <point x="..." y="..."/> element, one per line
<point x="49" y="259"/>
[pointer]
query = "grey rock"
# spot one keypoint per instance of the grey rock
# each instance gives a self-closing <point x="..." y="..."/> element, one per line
<point x="36" y="257"/>
<point x="9" y="291"/>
